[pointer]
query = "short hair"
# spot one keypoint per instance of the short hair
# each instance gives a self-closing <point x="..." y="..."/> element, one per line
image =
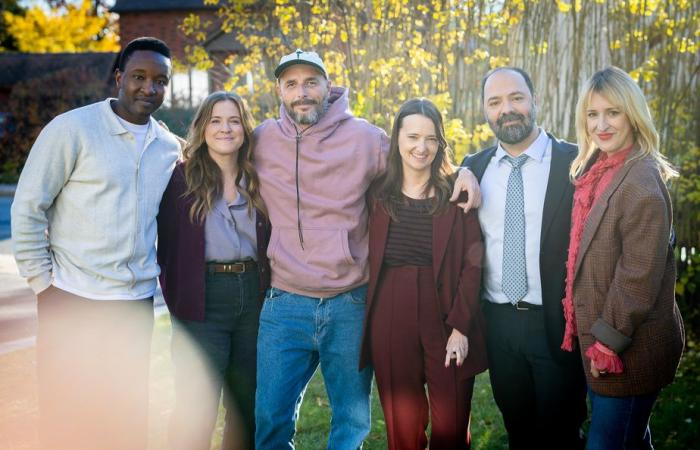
<point x="517" y="70"/>
<point x="141" y="43"/>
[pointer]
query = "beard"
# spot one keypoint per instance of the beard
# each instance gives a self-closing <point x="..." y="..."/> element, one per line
<point x="310" y="117"/>
<point x="516" y="133"/>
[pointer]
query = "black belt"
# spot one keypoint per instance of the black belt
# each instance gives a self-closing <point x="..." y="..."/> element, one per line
<point x="232" y="267"/>
<point x="519" y="306"/>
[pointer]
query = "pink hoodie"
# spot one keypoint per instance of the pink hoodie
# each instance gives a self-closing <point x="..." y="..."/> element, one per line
<point x="338" y="159"/>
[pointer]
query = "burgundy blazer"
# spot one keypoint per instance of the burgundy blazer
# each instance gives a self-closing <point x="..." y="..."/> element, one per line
<point x="181" y="251"/>
<point x="624" y="282"/>
<point x="457" y="259"/>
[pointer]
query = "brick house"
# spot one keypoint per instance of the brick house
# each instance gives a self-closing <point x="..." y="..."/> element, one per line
<point x="162" y="19"/>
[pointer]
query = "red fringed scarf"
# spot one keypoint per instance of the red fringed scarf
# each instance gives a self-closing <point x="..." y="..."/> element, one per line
<point x="588" y="189"/>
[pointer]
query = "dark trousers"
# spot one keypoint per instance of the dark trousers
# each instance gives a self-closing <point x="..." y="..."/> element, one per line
<point x="408" y="351"/>
<point x="92" y="365"/>
<point x="542" y="401"/>
<point x="217" y="353"/>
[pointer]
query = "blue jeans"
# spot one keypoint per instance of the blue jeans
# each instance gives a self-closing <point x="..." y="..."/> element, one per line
<point x="620" y="422"/>
<point x="297" y="333"/>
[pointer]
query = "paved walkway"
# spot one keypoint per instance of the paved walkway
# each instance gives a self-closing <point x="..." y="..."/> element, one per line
<point x="17" y="304"/>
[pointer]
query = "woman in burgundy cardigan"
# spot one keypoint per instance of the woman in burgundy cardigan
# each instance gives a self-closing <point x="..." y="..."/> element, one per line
<point x="423" y="323"/>
<point x="620" y="305"/>
<point x="212" y="239"/>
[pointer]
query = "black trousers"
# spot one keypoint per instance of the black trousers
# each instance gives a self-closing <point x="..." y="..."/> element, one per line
<point x="543" y="401"/>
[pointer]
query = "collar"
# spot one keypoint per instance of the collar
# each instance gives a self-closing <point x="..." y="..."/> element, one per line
<point x="116" y="127"/>
<point x="535" y="151"/>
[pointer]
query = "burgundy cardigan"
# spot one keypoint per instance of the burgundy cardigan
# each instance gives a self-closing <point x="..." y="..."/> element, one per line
<point x="181" y="251"/>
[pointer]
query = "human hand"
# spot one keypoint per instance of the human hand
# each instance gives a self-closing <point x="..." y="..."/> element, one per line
<point x="457" y="348"/>
<point x="597" y="372"/>
<point x="466" y="181"/>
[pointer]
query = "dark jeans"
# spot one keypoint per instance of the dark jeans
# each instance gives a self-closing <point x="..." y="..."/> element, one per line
<point x="542" y="401"/>
<point x="92" y="363"/>
<point x="619" y="423"/>
<point x="219" y="352"/>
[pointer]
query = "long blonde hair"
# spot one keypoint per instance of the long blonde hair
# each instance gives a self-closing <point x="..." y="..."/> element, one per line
<point x="619" y="89"/>
<point x="202" y="174"/>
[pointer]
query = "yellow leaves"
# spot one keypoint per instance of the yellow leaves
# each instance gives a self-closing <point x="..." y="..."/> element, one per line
<point x="74" y="28"/>
<point x="643" y="7"/>
<point x="686" y="45"/>
<point x="498" y="61"/>
<point x="564" y="7"/>
<point x="539" y="49"/>
<point x="417" y="38"/>
<point x="457" y="137"/>
<point x="198" y="57"/>
<point x="647" y="71"/>
<point x="464" y="142"/>
<point x="481" y="54"/>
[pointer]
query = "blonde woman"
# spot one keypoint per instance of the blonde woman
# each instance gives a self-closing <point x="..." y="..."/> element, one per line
<point x="212" y="239"/>
<point x="619" y="302"/>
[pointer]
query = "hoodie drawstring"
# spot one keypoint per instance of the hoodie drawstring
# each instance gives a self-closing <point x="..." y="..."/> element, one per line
<point x="296" y="176"/>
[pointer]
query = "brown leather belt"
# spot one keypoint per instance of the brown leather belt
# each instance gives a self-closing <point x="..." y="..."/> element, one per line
<point x="232" y="267"/>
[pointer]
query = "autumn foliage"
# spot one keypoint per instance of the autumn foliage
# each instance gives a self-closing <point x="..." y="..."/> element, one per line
<point x="73" y="28"/>
<point x="387" y="51"/>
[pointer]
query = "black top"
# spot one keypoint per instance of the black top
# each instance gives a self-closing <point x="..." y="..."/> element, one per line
<point x="410" y="238"/>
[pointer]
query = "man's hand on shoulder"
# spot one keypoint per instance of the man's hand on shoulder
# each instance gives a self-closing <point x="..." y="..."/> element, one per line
<point x="466" y="181"/>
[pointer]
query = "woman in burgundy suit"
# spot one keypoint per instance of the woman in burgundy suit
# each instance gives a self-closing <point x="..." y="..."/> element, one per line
<point x="423" y="324"/>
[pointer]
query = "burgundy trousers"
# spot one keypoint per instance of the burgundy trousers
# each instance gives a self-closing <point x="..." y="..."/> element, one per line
<point x="408" y="342"/>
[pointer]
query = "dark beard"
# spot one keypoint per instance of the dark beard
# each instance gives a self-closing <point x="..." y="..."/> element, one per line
<point x="310" y="117"/>
<point x="514" y="134"/>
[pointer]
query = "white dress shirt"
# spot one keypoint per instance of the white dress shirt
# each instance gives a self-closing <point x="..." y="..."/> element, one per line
<point x="494" y="184"/>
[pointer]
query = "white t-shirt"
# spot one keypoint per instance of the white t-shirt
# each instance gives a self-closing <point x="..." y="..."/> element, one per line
<point x="138" y="131"/>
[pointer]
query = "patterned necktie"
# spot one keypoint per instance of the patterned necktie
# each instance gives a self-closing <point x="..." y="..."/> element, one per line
<point x="514" y="281"/>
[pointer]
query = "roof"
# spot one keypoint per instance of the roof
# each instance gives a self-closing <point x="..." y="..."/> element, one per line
<point x="220" y="41"/>
<point x="23" y="66"/>
<point x="122" y="6"/>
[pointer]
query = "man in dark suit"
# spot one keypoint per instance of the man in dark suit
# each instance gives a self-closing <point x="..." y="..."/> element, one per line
<point x="525" y="218"/>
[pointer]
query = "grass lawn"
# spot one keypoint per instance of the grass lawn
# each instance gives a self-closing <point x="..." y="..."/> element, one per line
<point x="675" y="422"/>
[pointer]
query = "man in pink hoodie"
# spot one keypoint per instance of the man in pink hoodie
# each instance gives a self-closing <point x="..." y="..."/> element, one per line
<point x="315" y="164"/>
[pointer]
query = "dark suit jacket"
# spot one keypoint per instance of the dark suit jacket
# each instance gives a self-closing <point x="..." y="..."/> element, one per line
<point x="457" y="258"/>
<point x="554" y="239"/>
<point x="625" y="282"/>
<point x="181" y="251"/>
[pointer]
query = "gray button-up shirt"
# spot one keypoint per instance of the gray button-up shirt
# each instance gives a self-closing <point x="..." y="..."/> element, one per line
<point x="229" y="232"/>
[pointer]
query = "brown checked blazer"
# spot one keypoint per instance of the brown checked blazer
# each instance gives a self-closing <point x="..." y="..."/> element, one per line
<point x="624" y="282"/>
<point x="457" y="259"/>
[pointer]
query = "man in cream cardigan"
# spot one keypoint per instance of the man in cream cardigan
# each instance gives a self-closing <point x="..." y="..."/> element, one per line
<point x="84" y="231"/>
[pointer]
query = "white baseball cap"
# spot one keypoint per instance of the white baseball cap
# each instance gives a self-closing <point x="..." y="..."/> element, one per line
<point x="301" y="57"/>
